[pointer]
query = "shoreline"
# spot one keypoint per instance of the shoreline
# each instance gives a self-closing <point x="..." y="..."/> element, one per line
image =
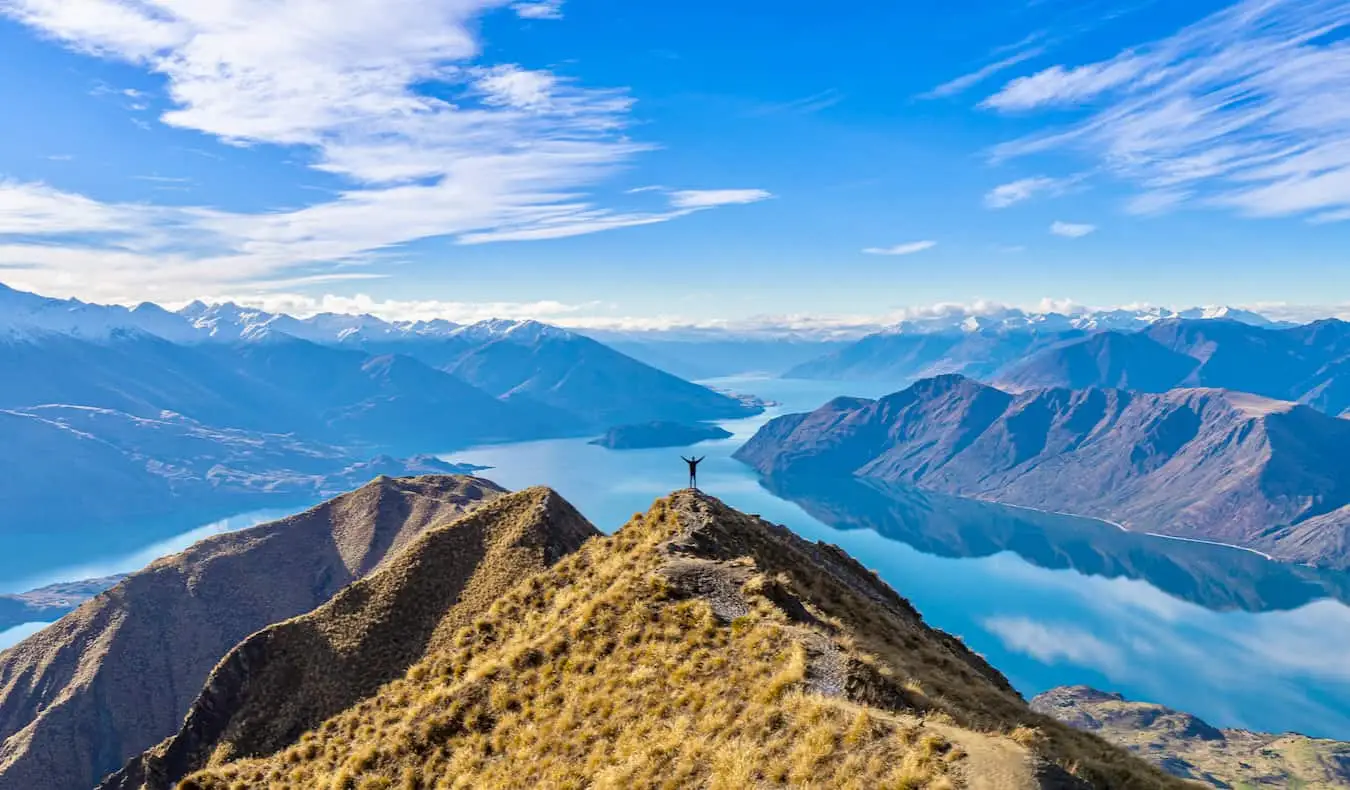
<point x="1124" y="528"/>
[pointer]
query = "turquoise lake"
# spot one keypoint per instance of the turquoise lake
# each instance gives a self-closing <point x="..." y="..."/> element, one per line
<point x="1049" y="600"/>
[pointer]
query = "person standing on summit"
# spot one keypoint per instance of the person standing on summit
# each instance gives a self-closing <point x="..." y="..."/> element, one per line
<point x="693" y="470"/>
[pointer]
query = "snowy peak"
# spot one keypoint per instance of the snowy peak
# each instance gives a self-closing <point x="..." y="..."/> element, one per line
<point x="26" y="315"/>
<point x="524" y="332"/>
<point x="1012" y="319"/>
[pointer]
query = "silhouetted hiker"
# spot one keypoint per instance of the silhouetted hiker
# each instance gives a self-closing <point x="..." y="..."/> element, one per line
<point x="693" y="470"/>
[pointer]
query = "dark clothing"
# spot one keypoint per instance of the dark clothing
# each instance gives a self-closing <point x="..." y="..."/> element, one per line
<point x="693" y="470"/>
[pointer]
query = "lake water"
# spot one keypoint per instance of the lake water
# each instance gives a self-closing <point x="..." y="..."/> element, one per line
<point x="37" y="558"/>
<point x="1049" y="600"/>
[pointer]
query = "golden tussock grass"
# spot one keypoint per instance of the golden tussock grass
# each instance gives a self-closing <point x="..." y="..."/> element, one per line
<point x="696" y="647"/>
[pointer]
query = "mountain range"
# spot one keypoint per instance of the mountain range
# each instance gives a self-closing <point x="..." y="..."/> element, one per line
<point x="984" y="346"/>
<point x="697" y="646"/>
<point x="1309" y="364"/>
<point x="142" y="409"/>
<point x="1204" y="464"/>
<point x="119" y="673"/>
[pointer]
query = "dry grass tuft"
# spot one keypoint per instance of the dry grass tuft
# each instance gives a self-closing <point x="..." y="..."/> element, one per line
<point x="696" y="647"/>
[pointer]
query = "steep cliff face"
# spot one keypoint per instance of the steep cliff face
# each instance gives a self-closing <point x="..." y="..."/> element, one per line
<point x="1198" y="463"/>
<point x="289" y="677"/>
<point x="696" y="647"/>
<point x="117" y="675"/>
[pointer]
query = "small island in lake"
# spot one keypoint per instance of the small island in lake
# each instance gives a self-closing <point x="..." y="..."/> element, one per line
<point x="659" y="434"/>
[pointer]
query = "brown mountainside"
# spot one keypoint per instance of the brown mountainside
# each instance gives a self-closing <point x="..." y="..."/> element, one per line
<point x="696" y="647"/>
<point x="1190" y="748"/>
<point x="289" y="677"/>
<point x="118" y="674"/>
<point x="1197" y="463"/>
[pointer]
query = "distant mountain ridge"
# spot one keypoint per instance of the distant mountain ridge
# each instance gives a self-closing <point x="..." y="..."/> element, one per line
<point x="1309" y="364"/>
<point x="1197" y="463"/>
<point x="155" y="408"/>
<point x="982" y="346"/>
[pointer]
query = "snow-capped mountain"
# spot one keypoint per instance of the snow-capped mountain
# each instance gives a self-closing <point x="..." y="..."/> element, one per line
<point x="1012" y="319"/>
<point x="230" y="322"/>
<point x="24" y="314"/>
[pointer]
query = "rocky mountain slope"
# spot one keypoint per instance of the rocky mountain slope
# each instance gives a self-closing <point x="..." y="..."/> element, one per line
<point x="276" y="385"/>
<point x="1308" y="364"/>
<point x="1197" y="463"/>
<point x="697" y="646"/>
<point x="526" y="362"/>
<point x="1189" y="748"/>
<point x="289" y="678"/>
<point x="904" y="356"/>
<point x="118" y="674"/>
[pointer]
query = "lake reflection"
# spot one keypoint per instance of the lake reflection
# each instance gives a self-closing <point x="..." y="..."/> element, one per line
<point x="1049" y="600"/>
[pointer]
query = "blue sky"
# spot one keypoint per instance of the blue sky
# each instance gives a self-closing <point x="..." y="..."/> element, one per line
<point x="594" y="161"/>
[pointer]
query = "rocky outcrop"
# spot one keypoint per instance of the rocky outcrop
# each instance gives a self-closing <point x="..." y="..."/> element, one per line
<point x="1190" y="748"/>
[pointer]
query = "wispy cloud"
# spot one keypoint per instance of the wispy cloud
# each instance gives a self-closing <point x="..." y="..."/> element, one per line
<point x="708" y="198"/>
<point x="1015" y="192"/>
<point x="902" y="249"/>
<point x="965" y="82"/>
<point x="805" y="105"/>
<point x="1244" y="109"/>
<point x="513" y="154"/>
<point x="539" y="9"/>
<point x="1071" y="230"/>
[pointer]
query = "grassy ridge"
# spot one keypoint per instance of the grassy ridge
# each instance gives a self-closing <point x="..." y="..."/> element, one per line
<point x="695" y="647"/>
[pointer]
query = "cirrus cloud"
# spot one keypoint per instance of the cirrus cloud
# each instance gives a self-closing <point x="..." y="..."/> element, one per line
<point x="1242" y="110"/>
<point x="902" y="249"/>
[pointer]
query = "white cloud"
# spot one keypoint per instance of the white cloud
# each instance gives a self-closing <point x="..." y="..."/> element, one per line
<point x="1245" y="109"/>
<point x="708" y="198"/>
<point x="1014" y="192"/>
<point x="499" y="153"/>
<point x="1071" y="230"/>
<point x="1058" y="85"/>
<point x="516" y="87"/>
<point x="967" y="81"/>
<point x="539" y="9"/>
<point x="902" y="249"/>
